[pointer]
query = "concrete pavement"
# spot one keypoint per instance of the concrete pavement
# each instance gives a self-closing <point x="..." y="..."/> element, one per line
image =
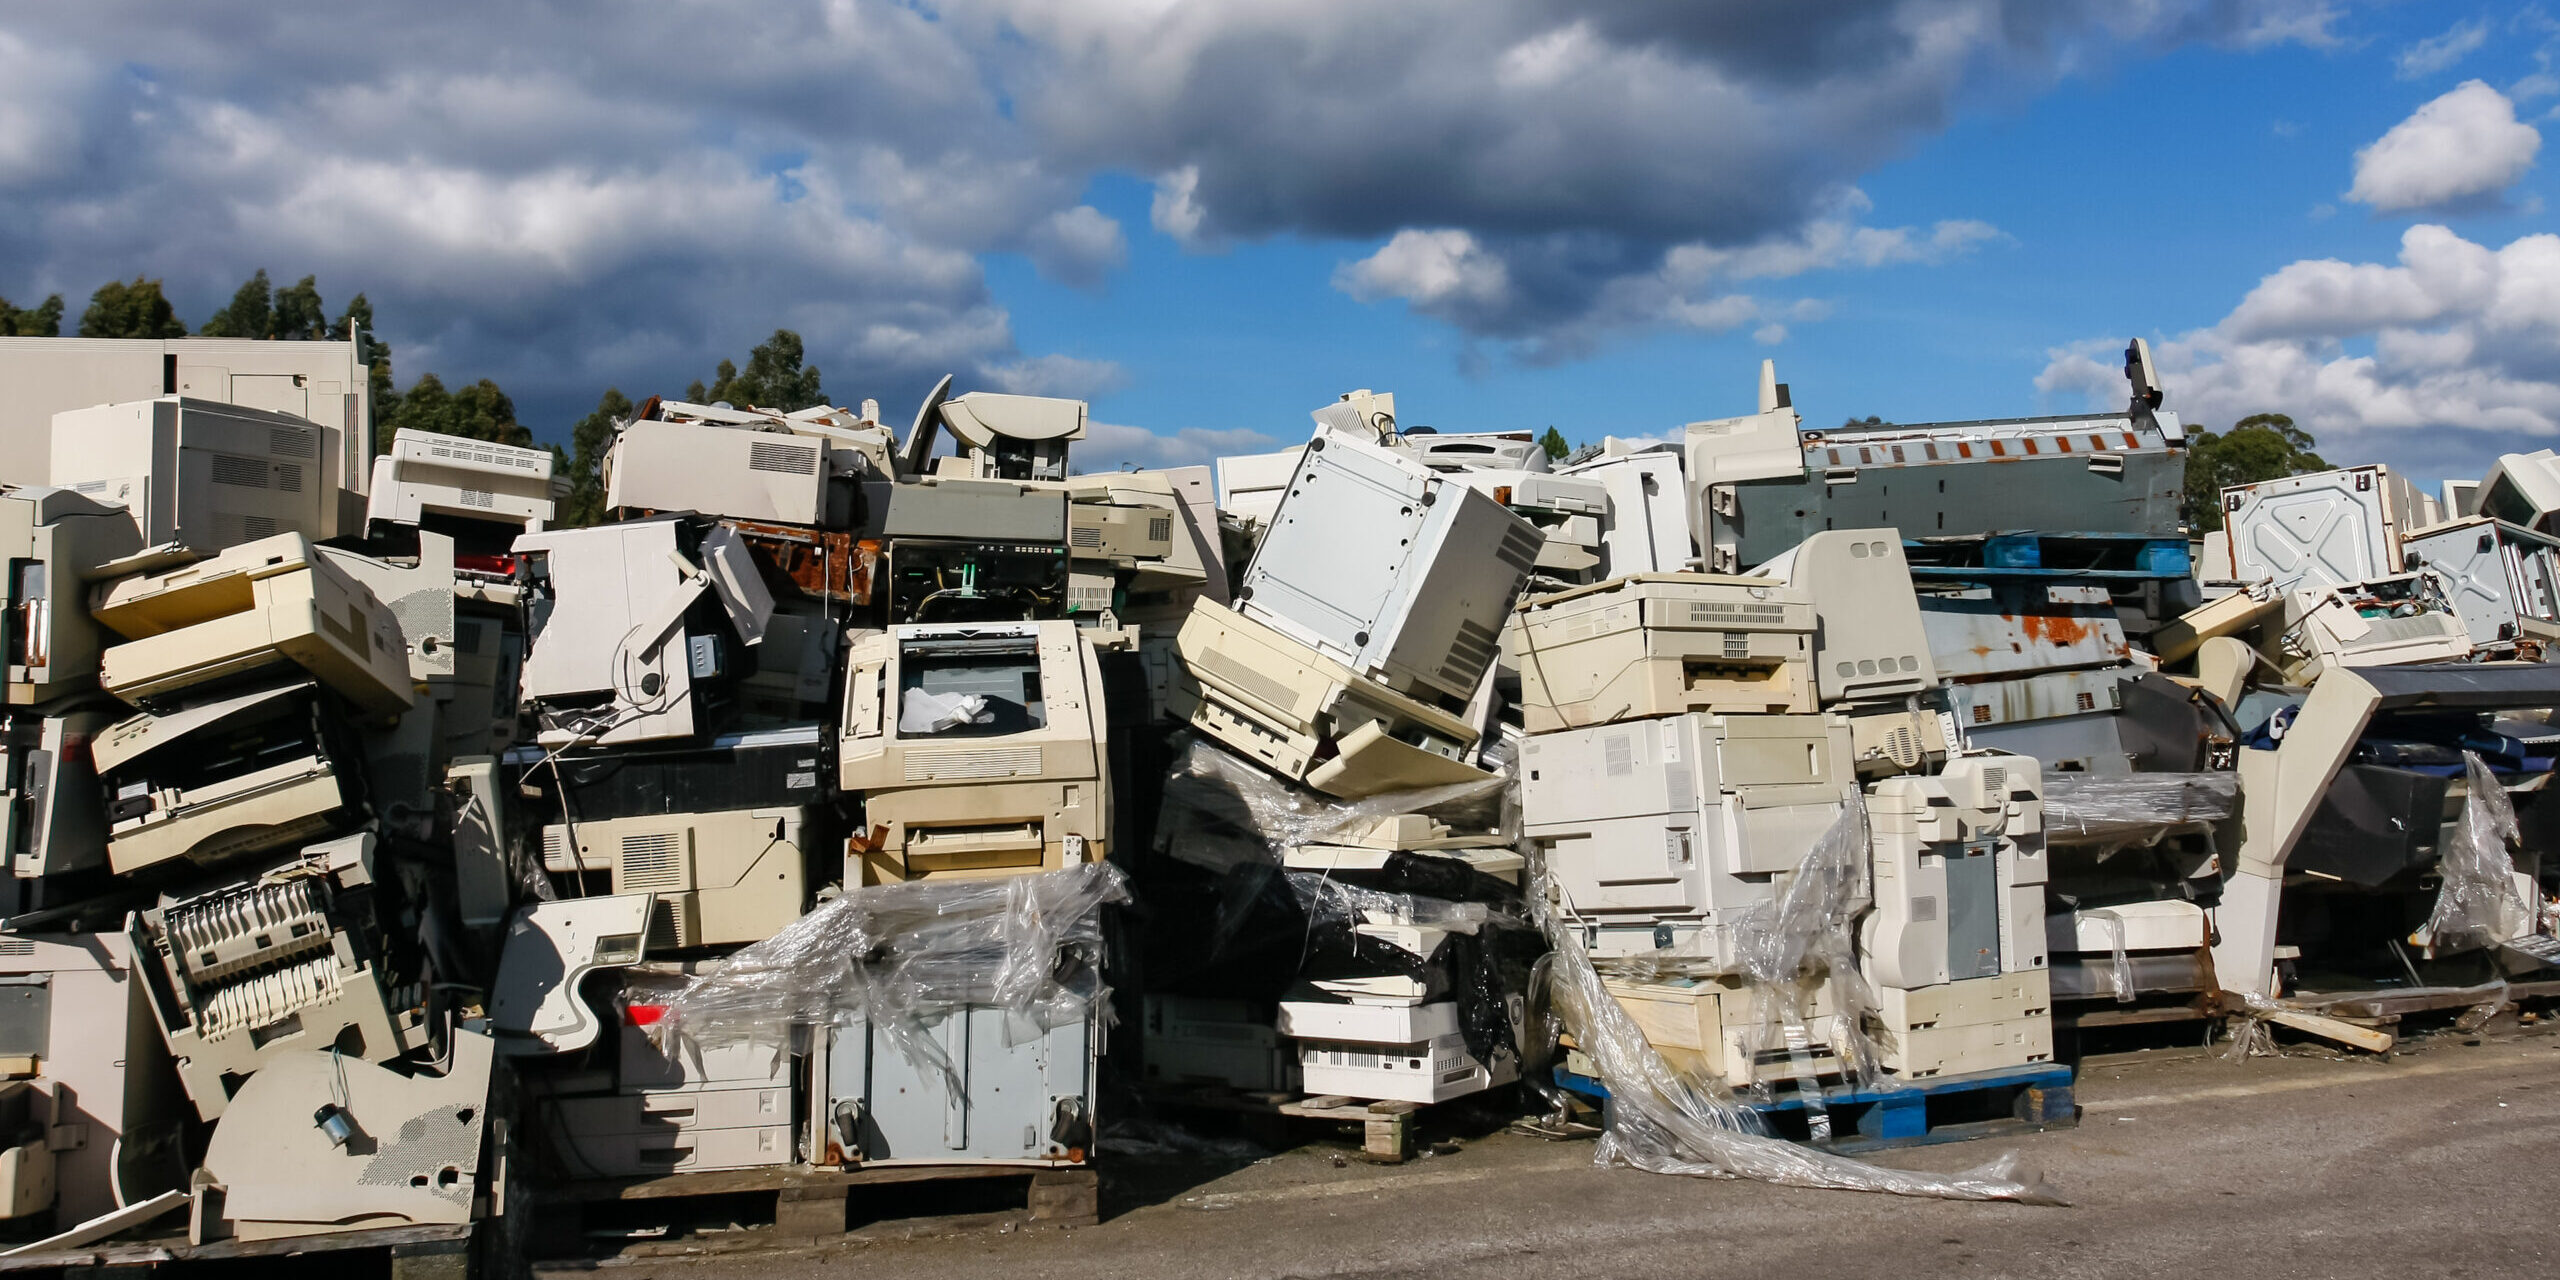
<point x="2438" y="1162"/>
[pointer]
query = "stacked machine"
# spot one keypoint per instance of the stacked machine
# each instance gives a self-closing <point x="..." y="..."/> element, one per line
<point x="233" y="894"/>
<point x="1357" y="668"/>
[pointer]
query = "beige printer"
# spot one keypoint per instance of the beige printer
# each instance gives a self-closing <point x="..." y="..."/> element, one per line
<point x="204" y="473"/>
<point x="219" y="780"/>
<point x="1308" y="717"/>
<point x="1661" y="644"/>
<point x="252" y="606"/>
<point x="283" y="963"/>
<point x="979" y="748"/>
<point x="720" y="878"/>
<point x="54" y="541"/>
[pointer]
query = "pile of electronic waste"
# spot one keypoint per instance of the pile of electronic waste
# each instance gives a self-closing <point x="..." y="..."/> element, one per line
<point x="393" y="851"/>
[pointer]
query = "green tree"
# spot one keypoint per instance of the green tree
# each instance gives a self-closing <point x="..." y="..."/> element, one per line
<point x="1870" y="420"/>
<point x="357" y="322"/>
<point x="136" y="310"/>
<point x="584" y="461"/>
<point x="43" y="320"/>
<point x="479" y="411"/>
<point x="252" y="313"/>
<point x="1553" y="443"/>
<point x="775" y="378"/>
<point x="2262" y="446"/>
<point x="298" y="313"/>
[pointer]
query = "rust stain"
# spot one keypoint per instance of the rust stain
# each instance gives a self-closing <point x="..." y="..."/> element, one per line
<point x="2056" y="630"/>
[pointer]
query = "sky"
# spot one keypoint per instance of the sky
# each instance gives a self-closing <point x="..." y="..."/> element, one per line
<point x="1209" y="217"/>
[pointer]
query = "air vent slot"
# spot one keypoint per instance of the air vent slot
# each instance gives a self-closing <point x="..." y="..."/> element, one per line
<point x="238" y="472"/>
<point x="785" y="459"/>
<point x="287" y="442"/>
<point x="651" y="861"/>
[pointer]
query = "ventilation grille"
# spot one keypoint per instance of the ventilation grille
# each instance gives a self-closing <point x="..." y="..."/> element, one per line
<point x="288" y="477"/>
<point x="556" y="853"/>
<point x="787" y="459"/>
<point x="1735" y="610"/>
<point x="289" y="442"/>
<point x="983" y="762"/>
<point x="1243" y="679"/>
<point x="1160" y="529"/>
<point x="521" y="461"/>
<point x="232" y="530"/>
<point x="1469" y="651"/>
<point x="1086" y="535"/>
<point x="1519" y="549"/>
<point x="651" y="861"/>
<point x="1924" y="910"/>
<point x="1995" y="784"/>
<point x="1737" y="644"/>
<point x="1618" y="755"/>
<point x="238" y="472"/>
<point x="669" y="928"/>
<point x="16" y="947"/>
<point x="2087" y="701"/>
<point x="1684" y="793"/>
<point x="480" y="498"/>
<point x="1982" y="714"/>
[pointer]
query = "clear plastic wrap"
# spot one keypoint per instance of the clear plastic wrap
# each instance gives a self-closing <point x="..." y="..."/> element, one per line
<point x="2479" y="904"/>
<point x="901" y="956"/>
<point x="1221" y="812"/>
<point x="2088" y="808"/>
<point x="1664" y="1122"/>
<point x="2120" y="971"/>
<point x="1793" y="949"/>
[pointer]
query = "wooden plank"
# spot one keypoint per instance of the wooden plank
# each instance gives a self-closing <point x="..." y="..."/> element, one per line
<point x="2346" y="1033"/>
<point x="777" y="1179"/>
<point x="2127" y="1017"/>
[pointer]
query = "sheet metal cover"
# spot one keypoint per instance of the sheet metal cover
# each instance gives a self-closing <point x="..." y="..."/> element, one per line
<point x="2465" y="684"/>
<point x="131" y="739"/>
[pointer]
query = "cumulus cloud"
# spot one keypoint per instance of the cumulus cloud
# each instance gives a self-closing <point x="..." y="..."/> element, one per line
<point x="1057" y="375"/>
<point x="1561" y="298"/>
<point x="1079" y="246"/>
<point x="2459" y="152"/>
<point x="1110" y="446"/>
<point x="576" y="193"/>
<point x="2436" y="362"/>
<point x="2438" y="53"/>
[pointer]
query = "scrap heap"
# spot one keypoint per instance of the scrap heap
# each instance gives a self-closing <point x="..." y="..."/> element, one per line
<point x="382" y="854"/>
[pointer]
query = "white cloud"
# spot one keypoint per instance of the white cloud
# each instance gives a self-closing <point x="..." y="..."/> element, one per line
<point x="1080" y="247"/>
<point x="519" y="202"/>
<point x="2438" y="53"/>
<point x="1057" y="375"/>
<point x="2434" y="363"/>
<point x="1452" y="274"/>
<point x="1442" y="270"/>
<point x="1109" y="446"/>
<point x="2459" y="151"/>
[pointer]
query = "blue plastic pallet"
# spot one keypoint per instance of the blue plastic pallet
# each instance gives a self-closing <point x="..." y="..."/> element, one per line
<point x="1920" y="1113"/>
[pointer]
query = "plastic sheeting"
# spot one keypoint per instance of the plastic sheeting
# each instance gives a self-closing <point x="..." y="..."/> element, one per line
<point x="2120" y="969"/>
<point x="923" y="711"/>
<point x="2479" y="904"/>
<point x="1664" y="1122"/>
<point x="2088" y="808"/>
<point x="1221" y="812"/>
<point x="903" y="956"/>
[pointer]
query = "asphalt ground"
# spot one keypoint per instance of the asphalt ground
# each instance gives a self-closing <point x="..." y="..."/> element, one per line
<point x="2442" y="1160"/>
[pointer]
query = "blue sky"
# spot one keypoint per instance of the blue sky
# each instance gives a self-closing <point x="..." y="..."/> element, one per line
<point x="1209" y="218"/>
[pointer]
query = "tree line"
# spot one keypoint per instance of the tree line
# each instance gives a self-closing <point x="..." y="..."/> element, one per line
<point x="776" y="376"/>
<point x="2262" y="446"/>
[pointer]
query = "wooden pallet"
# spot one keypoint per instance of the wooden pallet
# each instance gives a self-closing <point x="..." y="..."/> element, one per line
<point x="811" y="1204"/>
<point x="1919" y="1113"/>
<point x="1387" y="1127"/>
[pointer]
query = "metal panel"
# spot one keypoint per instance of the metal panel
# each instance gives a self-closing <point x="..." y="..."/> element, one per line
<point x="2321" y="530"/>
<point x="1973" y="910"/>
<point x="1021" y="1093"/>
